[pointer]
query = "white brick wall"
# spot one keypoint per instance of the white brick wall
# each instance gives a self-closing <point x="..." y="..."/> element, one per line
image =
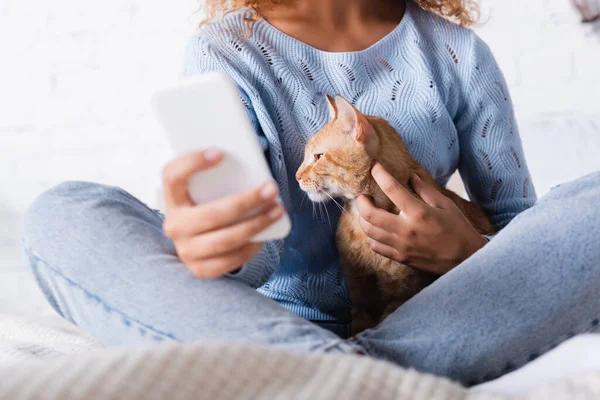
<point x="552" y="65"/>
<point x="75" y="78"/>
<point x="551" y="62"/>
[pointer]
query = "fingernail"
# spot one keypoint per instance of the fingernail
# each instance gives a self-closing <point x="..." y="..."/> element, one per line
<point x="376" y="167"/>
<point x="276" y="212"/>
<point x="417" y="177"/>
<point x="212" y="155"/>
<point x="268" y="191"/>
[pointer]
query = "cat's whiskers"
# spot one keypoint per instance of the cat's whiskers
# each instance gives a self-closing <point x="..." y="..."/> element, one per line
<point x="324" y="192"/>
<point x="321" y="215"/>
<point x="304" y="197"/>
<point x="327" y="212"/>
<point x="335" y="201"/>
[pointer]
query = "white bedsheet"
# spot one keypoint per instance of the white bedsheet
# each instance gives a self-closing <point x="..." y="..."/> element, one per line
<point x="575" y="357"/>
<point x="45" y="336"/>
<point x="51" y="339"/>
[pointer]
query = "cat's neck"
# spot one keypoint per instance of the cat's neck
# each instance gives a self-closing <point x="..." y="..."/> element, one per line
<point x="395" y="158"/>
<point x="393" y="154"/>
<point x="380" y="200"/>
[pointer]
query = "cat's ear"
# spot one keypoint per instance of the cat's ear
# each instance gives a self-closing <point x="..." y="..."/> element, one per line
<point x="347" y="115"/>
<point x="332" y="107"/>
<point x="354" y="123"/>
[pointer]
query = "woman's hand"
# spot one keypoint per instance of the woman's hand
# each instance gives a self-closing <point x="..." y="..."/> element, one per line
<point x="432" y="235"/>
<point x="205" y="237"/>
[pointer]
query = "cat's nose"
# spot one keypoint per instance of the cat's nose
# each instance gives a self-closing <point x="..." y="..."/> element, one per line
<point x="298" y="178"/>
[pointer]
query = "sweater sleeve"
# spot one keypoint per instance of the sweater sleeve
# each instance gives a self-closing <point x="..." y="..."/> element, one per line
<point x="492" y="164"/>
<point x="201" y="58"/>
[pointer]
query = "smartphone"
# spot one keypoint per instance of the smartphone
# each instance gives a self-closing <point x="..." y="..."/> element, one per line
<point x="205" y="112"/>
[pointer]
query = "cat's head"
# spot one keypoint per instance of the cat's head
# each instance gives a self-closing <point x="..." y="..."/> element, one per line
<point x="338" y="159"/>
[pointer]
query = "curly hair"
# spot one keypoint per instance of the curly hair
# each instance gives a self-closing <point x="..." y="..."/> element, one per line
<point x="463" y="12"/>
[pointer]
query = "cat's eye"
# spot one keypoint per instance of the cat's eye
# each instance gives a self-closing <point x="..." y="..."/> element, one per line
<point x="318" y="156"/>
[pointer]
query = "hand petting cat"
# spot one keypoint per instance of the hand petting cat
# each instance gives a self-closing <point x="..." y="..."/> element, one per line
<point x="430" y="234"/>
<point x="391" y="244"/>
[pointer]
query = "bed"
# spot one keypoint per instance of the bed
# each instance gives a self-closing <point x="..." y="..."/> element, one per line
<point x="47" y="358"/>
<point x="44" y="357"/>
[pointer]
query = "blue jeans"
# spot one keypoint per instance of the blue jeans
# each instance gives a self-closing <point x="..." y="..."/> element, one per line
<point x="102" y="260"/>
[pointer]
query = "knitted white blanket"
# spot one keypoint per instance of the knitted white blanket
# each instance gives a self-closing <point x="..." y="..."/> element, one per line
<point x="215" y="371"/>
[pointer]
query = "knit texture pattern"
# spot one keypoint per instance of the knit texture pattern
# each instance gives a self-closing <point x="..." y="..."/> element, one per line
<point x="435" y="82"/>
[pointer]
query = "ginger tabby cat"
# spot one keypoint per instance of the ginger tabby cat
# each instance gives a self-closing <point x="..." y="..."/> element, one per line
<point x="337" y="164"/>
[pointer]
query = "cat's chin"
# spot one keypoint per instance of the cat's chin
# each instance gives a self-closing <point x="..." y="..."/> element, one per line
<point x="317" y="197"/>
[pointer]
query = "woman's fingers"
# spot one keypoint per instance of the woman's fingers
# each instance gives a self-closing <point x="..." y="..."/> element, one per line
<point x="228" y="239"/>
<point x="178" y="172"/>
<point x="207" y="239"/>
<point x="386" y="251"/>
<point x="223" y="212"/>
<point x="376" y="216"/>
<point x="219" y="213"/>
<point x="428" y="193"/>
<point x="376" y="233"/>
<point x="401" y="197"/>
<point x="216" y="267"/>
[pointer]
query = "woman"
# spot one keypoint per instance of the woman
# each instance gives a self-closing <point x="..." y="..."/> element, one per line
<point x="105" y="263"/>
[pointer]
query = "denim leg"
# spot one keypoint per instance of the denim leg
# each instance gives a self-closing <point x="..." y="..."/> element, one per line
<point x="102" y="261"/>
<point x="533" y="286"/>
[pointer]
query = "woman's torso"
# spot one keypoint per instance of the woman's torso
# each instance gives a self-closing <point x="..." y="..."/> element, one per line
<point x="412" y="78"/>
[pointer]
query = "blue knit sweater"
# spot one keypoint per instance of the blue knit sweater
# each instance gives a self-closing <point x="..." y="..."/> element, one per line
<point x="435" y="82"/>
